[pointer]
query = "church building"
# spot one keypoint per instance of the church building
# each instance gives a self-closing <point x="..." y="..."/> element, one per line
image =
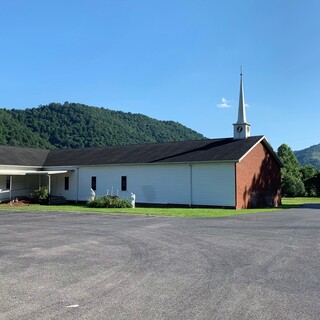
<point x="238" y="172"/>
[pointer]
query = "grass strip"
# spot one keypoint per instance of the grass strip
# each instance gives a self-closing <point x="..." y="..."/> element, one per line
<point x="176" y="212"/>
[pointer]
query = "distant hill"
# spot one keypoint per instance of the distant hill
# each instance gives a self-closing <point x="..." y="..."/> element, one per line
<point x="73" y="125"/>
<point x="14" y="133"/>
<point x="309" y="155"/>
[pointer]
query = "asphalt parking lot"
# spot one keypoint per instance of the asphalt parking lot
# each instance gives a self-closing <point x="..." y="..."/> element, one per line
<point x="92" y="266"/>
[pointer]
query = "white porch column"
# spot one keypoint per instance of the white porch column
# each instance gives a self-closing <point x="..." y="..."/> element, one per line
<point x="191" y="186"/>
<point x="49" y="187"/>
<point x="10" y="187"/>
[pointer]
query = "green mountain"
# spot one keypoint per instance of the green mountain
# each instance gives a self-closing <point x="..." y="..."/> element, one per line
<point x="309" y="155"/>
<point x="14" y="133"/>
<point x="73" y="125"/>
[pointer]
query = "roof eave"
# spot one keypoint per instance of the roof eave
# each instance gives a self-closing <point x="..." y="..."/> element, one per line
<point x="139" y="163"/>
<point x="266" y="143"/>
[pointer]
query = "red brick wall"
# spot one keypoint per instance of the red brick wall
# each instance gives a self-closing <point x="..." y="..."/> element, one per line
<point x="258" y="180"/>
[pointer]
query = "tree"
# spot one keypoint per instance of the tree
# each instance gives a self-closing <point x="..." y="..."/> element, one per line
<point x="308" y="172"/>
<point x="313" y="185"/>
<point x="292" y="186"/>
<point x="316" y="179"/>
<point x="289" y="160"/>
<point x="291" y="176"/>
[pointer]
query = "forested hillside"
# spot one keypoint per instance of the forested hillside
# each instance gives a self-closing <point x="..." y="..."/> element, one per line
<point x="309" y="155"/>
<point x="14" y="133"/>
<point x="73" y="125"/>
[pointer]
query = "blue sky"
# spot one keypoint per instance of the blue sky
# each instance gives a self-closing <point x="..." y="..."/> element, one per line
<point x="171" y="60"/>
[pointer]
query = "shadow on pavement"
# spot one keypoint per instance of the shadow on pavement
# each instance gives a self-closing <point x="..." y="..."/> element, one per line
<point x="311" y="205"/>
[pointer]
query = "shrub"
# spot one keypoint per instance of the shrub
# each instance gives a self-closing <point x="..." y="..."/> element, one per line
<point x="41" y="195"/>
<point x="109" y="202"/>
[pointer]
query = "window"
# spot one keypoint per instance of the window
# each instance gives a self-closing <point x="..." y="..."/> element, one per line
<point x="124" y="183"/>
<point x="94" y="183"/>
<point x="66" y="183"/>
<point x="8" y="182"/>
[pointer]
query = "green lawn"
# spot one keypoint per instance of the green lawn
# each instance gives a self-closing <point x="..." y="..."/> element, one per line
<point x="296" y="202"/>
<point x="177" y="212"/>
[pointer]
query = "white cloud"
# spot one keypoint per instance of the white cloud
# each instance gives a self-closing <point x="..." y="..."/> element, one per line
<point x="224" y="103"/>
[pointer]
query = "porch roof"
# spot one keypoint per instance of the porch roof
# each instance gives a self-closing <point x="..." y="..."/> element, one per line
<point x="30" y="172"/>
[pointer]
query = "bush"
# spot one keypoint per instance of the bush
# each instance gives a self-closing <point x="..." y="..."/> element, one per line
<point x="109" y="202"/>
<point x="41" y="195"/>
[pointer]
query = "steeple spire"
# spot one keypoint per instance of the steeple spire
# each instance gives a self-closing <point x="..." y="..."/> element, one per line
<point x="242" y="106"/>
<point x="241" y="127"/>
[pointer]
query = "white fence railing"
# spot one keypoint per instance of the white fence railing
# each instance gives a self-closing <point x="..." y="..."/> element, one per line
<point x="6" y="194"/>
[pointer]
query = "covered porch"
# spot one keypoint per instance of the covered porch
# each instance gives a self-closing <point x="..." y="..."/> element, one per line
<point x="22" y="183"/>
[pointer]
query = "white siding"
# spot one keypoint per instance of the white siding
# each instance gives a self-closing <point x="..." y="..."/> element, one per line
<point x="213" y="184"/>
<point x="151" y="183"/>
<point x="57" y="185"/>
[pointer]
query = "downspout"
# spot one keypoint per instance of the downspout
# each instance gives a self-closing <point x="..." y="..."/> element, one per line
<point x="235" y="185"/>
<point x="191" y="194"/>
<point x="77" y="198"/>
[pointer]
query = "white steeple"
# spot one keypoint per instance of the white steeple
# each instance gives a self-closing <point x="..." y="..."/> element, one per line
<point x="241" y="129"/>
